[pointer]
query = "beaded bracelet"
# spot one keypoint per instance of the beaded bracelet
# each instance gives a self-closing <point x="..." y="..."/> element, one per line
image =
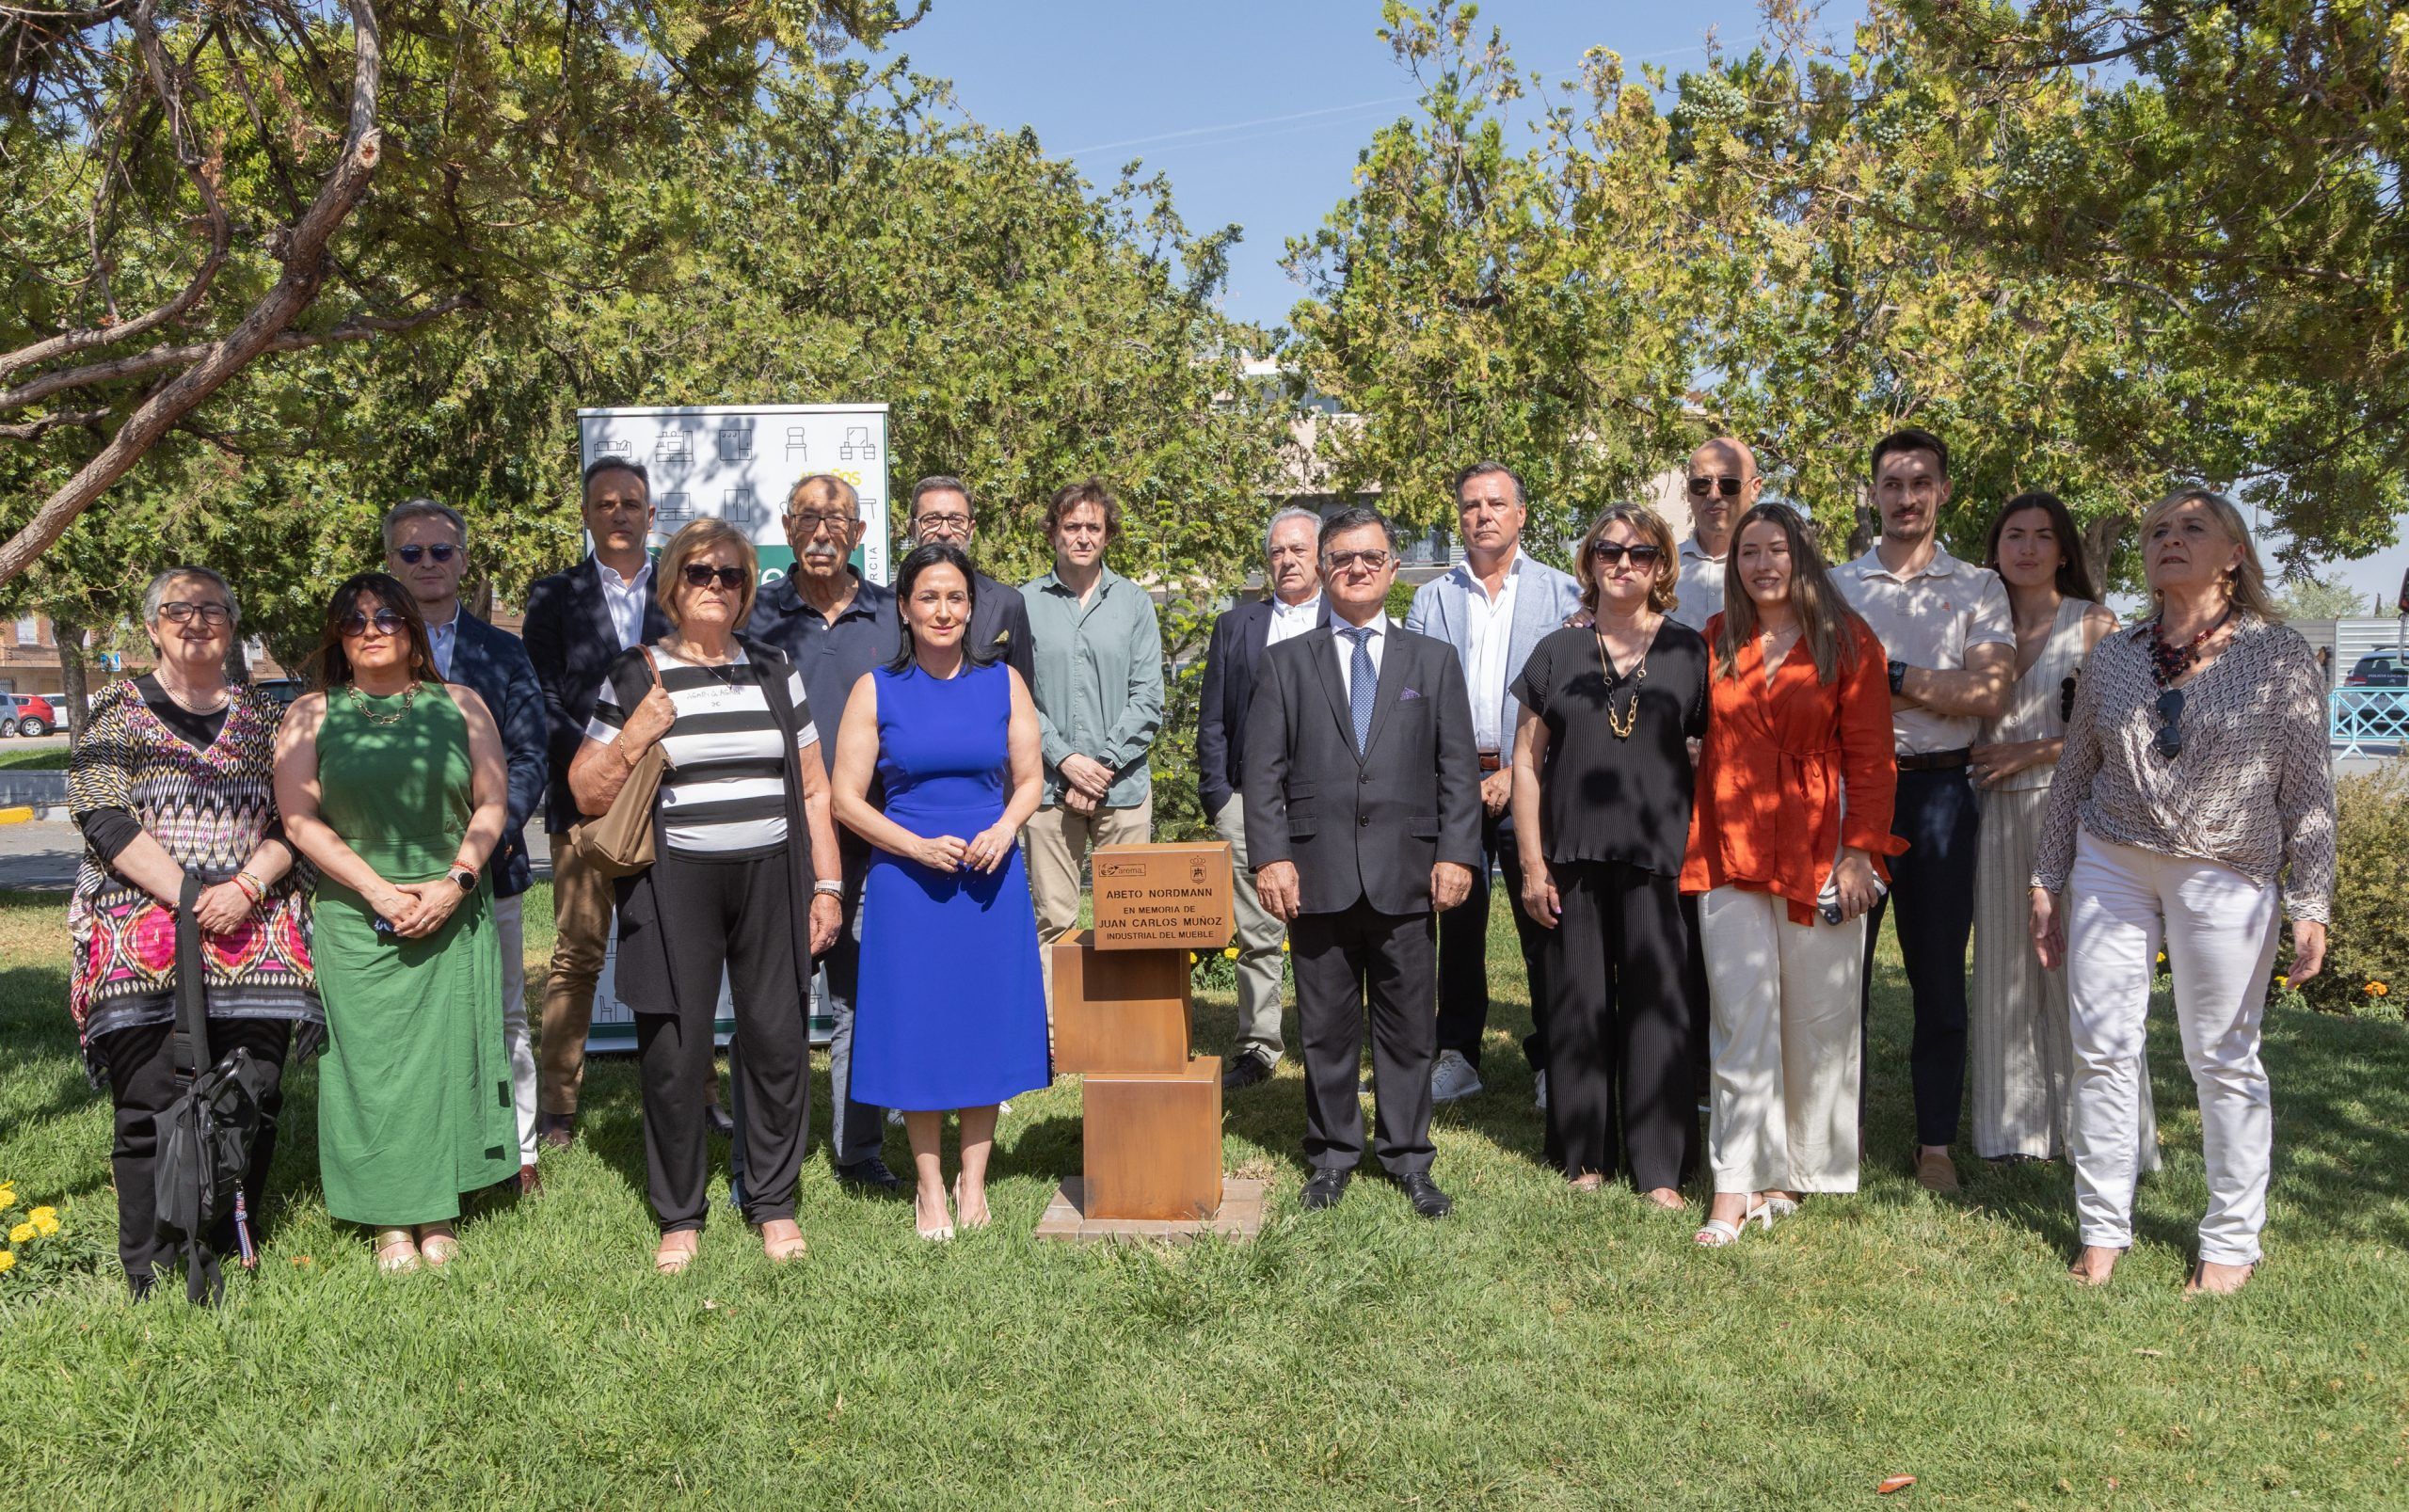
<point x="251" y="888"/>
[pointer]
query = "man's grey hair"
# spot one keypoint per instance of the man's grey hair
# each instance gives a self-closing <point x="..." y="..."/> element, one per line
<point x="853" y="496"/>
<point x="1311" y="516"/>
<point x="423" y="508"/>
<point x="1482" y="470"/>
<point x="939" y="483"/>
<point x="1355" y="518"/>
<point x="156" y="594"/>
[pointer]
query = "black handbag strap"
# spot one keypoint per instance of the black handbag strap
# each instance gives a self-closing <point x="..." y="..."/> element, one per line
<point x="191" y="1037"/>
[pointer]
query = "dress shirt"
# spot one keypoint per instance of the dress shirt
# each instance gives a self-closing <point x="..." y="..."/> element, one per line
<point x="439" y="641"/>
<point x="1288" y="621"/>
<point x="1377" y="645"/>
<point x="1490" y="633"/>
<point x="1701" y="595"/>
<point x="1099" y="685"/>
<point x="1929" y="620"/>
<point x="623" y="597"/>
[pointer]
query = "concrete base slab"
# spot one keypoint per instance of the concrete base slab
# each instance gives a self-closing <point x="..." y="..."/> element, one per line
<point x="1240" y="1217"/>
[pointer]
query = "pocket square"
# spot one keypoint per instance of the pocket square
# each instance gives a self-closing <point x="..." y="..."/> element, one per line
<point x="1408" y="694"/>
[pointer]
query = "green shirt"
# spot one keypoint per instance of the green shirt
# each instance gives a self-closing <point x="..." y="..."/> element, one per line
<point x="1099" y="688"/>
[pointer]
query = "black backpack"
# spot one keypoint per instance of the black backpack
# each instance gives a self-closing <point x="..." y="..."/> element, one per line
<point x="207" y="1133"/>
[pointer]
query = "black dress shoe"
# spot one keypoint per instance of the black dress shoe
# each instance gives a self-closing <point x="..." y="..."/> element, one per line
<point x="871" y="1172"/>
<point x="555" y="1131"/>
<point x="1245" y="1070"/>
<point x="721" y="1122"/>
<point x="1425" y="1195"/>
<point x="1327" y="1188"/>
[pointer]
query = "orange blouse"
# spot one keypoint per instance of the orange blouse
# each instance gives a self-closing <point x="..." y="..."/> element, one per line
<point x="1773" y="765"/>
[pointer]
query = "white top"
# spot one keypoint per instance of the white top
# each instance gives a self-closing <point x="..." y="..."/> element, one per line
<point x="1488" y="636"/>
<point x="723" y="789"/>
<point x="623" y="597"/>
<point x="1288" y="621"/>
<point x="1701" y="595"/>
<point x="1345" y="641"/>
<point x="2037" y="705"/>
<point x="439" y="641"/>
<point x="1929" y="620"/>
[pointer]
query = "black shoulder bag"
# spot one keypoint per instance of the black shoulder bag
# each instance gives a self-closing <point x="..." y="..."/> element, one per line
<point x="207" y="1133"/>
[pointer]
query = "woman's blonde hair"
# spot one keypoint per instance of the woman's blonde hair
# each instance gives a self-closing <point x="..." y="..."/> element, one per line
<point x="1663" y="594"/>
<point x="1825" y="622"/>
<point x="2246" y="584"/>
<point x="669" y="573"/>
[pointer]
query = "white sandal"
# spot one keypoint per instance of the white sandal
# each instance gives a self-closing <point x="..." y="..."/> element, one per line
<point x="1717" y="1232"/>
<point x="1781" y="1207"/>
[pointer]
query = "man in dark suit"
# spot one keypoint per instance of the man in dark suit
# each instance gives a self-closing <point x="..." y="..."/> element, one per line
<point x="1362" y="820"/>
<point x="427" y="546"/>
<point x="1241" y="636"/>
<point x="576" y="621"/>
<point x="941" y="511"/>
<point x="836" y="626"/>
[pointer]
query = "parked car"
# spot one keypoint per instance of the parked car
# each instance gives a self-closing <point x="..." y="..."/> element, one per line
<point x="26" y="714"/>
<point x="2379" y="669"/>
<point x="280" y="692"/>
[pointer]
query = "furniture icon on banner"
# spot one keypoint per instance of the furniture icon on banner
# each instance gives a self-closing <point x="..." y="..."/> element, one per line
<point x="857" y="446"/>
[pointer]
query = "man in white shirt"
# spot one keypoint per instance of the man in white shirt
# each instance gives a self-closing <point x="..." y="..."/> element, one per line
<point x="1493" y="607"/>
<point x="1722" y="485"/>
<point x="1240" y="637"/>
<point x="1951" y="644"/>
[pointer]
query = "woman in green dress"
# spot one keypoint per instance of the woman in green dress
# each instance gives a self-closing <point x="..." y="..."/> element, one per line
<point x="393" y="783"/>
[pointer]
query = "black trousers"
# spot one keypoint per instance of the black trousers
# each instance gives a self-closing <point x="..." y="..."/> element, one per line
<point x="1932" y="900"/>
<point x="1621" y="1088"/>
<point x="736" y="915"/>
<point x="1464" y="952"/>
<point x="142" y="1082"/>
<point x="1344" y="963"/>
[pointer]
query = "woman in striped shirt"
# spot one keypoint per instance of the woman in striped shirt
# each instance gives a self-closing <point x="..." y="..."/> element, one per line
<point x="745" y="878"/>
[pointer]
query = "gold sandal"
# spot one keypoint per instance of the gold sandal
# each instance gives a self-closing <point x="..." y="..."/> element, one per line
<point x="670" y="1262"/>
<point x="396" y="1252"/>
<point x="439" y="1247"/>
<point x="778" y="1247"/>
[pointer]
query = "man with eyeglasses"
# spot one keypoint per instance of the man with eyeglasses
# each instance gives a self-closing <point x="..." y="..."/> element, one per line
<point x="1363" y="819"/>
<point x="1492" y="607"/>
<point x="835" y="626"/>
<point x="1099" y="695"/>
<point x="427" y="546"/>
<point x="1721" y="485"/>
<point x="942" y="511"/>
<point x="1951" y="644"/>
<point x="1232" y="659"/>
<point x="577" y="622"/>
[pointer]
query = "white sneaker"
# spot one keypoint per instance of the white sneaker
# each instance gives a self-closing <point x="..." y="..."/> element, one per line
<point x="1452" y="1076"/>
<point x="1540" y="1099"/>
<point x="894" y="1119"/>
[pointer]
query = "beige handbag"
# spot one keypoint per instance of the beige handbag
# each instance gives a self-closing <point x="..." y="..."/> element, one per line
<point x="620" y="843"/>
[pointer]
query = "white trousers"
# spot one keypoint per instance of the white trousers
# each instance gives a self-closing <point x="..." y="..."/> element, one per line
<point x="2219" y="930"/>
<point x="515" y="1041"/>
<point x="1782" y="1036"/>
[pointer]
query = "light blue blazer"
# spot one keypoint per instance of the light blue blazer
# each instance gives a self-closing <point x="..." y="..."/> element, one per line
<point x="1543" y="599"/>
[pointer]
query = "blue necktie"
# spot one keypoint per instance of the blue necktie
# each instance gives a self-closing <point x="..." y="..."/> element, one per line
<point x="1362" y="684"/>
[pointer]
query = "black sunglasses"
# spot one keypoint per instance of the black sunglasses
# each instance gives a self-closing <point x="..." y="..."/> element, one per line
<point x="1727" y="486"/>
<point x="699" y="576"/>
<point x="440" y="551"/>
<point x="1611" y="553"/>
<point x="2169" y="743"/>
<point x="2065" y="699"/>
<point x="387" y="622"/>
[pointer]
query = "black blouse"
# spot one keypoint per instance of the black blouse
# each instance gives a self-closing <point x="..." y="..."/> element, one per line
<point x="1606" y="799"/>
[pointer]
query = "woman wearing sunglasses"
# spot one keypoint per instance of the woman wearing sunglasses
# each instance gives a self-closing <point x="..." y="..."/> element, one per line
<point x="2194" y="807"/>
<point x="2018" y="1052"/>
<point x="745" y="880"/>
<point x="393" y="785"/>
<point x="1601" y="801"/>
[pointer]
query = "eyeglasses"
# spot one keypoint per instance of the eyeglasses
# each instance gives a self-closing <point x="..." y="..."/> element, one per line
<point x="441" y="552"/>
<point x="699" y="576"/>
<point x="2169" y="743"/>
<point x="1727" y="486"/>
<point x="385" y="621"/>
<point x="1347" y="561"/>
<point x="811" y="525"/>
<point x="934" y="521"/>
<point x="208" y="613"/>
<point x="1612" y="553"/>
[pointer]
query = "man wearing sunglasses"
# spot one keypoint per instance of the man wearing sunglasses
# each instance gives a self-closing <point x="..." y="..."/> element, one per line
<point x="1951" y="644"/>
<point x="427" y="546"/>
<point x="578" y="622"/>
<point x="1721" y="485"/>
<point x="1492" y="607"/>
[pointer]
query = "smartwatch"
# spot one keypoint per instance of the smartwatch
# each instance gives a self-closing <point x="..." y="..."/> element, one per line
<point x="466" y="878"/>
<point x="1898" y="675"/>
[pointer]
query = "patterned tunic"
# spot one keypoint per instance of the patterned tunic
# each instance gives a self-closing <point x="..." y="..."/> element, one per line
<point x="2252" y="789"/>
<point x="208" y="808"/>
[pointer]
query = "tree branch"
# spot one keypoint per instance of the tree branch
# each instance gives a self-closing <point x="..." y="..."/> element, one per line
<point x="33" y="429"/>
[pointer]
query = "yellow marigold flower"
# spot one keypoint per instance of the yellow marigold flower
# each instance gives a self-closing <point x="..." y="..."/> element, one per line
<point x="38" y="1215"/>
<point x="22" y="1232"/>
<point x="7" y="1195"/>
<point x="45" y="1227"/>
<point x="7" y="1259"/>
<point x="1230" y="952"/>
<point x="2377" y="989"/>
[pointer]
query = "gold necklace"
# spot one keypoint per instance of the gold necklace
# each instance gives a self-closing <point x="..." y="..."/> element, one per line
<point x="1624" y="724"/>
<point x="360" y="702"/>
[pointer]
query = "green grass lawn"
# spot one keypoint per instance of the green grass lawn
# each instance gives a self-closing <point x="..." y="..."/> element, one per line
<point x="32" y="758"/>
<point x="1540" y="1348"/>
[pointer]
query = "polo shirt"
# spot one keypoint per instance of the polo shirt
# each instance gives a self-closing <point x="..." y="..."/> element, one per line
<point x="1930" y="619"/>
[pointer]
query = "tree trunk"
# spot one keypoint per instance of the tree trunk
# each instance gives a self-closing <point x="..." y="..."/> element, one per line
<point x="238" y="663"/>
<point x="2099" y="538"/>
<point x="74" y="681"/>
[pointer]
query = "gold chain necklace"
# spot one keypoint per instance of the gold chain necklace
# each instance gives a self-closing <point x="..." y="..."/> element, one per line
<point x="1624" y="722"/>
<point x="360" y="702"/>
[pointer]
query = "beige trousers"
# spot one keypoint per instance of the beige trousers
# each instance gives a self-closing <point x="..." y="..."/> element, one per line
<point x="1058" y="841"/>
<point x="583" y="900"/>
<point x="1783" y="1039"/>
<point x="1261" y="963"/>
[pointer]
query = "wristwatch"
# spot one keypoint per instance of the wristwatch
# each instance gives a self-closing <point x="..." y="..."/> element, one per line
<point x="835" y="889"/>
<point x="1898" y="675"/>
<point x="466" y="878"/>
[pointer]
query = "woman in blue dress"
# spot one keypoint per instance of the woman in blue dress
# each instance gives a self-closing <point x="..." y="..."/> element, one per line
<point x="951" y="1013"/>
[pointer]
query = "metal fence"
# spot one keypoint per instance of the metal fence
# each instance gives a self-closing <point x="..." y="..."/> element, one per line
<point x="2368" y="722"/>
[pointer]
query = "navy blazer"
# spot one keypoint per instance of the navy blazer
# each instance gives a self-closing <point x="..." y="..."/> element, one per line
<point x="1230" y="658"/>
<point x="998" y="612"/>
<point x="494" y="663"/>
<point x="572" y="641"/>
